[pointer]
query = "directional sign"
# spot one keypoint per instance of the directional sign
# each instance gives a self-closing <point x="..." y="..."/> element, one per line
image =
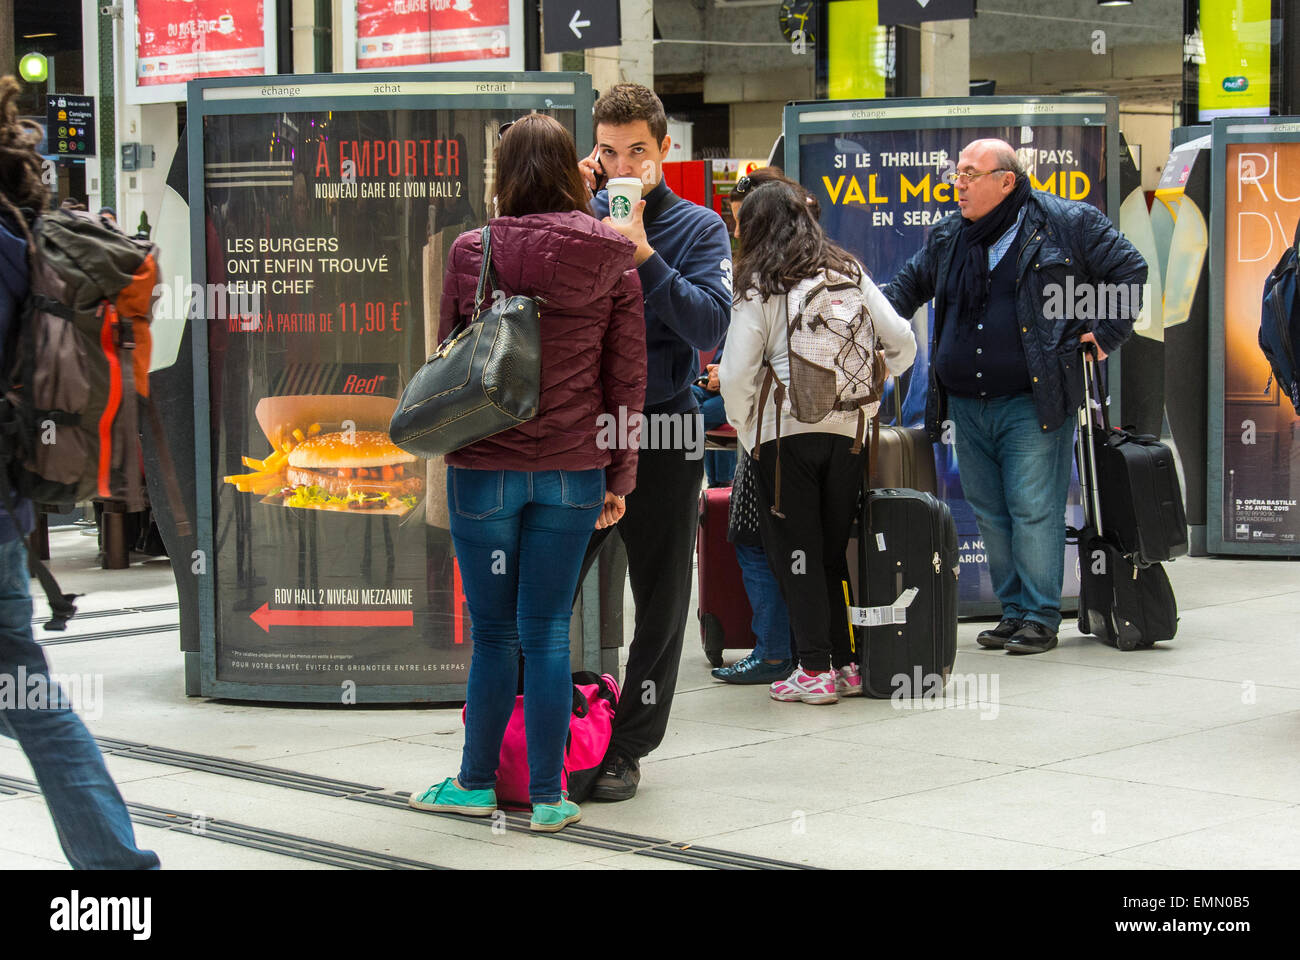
<point x="266" y="618"/>
<point x="580" y="24"/>
<point x="70" y="125"/>
<point x="919" y="11"/>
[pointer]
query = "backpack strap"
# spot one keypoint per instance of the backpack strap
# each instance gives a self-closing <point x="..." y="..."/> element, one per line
<point x="780" y="402"/>
<point x="768" y="377"/>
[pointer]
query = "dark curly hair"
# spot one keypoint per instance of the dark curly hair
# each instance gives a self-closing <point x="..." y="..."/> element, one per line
<point x="781" y="243"/>
<point x="21" y="189"/>
<point x="628" y="103"/>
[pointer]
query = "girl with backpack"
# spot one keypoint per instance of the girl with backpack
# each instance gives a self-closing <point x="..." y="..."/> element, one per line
<point x="806" y="432"/>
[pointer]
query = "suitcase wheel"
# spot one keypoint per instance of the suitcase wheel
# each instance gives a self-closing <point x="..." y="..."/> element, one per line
<point x="711" y="632"/>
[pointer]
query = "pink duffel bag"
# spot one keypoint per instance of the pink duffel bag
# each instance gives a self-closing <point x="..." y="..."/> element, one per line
<point x="590" y="727"/>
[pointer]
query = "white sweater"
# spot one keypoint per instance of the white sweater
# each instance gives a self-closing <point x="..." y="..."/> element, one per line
<point x="758" y="331"/>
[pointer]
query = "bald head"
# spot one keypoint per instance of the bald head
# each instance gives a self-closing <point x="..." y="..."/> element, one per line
<point x="993" y="172"/>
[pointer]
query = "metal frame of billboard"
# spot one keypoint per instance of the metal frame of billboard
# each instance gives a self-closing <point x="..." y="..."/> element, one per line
<point x="229" y="96"/>
<point x="1225" y="131"/>
<point x="945" y="113"/>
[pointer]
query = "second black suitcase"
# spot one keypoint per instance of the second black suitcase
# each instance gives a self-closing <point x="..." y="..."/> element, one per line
<point x="908" y="541"/>
<point x="1141" y="499"/>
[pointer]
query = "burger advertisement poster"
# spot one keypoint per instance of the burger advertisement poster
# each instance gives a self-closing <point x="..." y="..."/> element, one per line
<point x="326" y="233"/>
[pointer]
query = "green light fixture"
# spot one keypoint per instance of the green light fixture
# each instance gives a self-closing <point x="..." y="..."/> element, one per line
<point x="34" y="67"/>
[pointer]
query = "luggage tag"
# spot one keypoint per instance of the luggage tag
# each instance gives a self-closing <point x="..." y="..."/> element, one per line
<point x="880" y="616"/>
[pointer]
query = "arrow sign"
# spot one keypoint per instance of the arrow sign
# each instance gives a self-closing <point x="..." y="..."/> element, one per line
<point x="266" y="618"/>
<point x="580" y="24"/>
<point x="919" y="11"/>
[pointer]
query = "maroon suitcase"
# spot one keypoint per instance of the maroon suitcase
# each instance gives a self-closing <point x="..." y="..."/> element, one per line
<point x="724" y="613"/>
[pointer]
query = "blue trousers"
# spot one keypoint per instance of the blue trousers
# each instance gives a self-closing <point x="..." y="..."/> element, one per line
<point x="89" y="815"/>
<point x="771" y="623"/>
<point x="520" y="538"/>
<point x="719" y="465"/>
<point x="1016" y="476"/>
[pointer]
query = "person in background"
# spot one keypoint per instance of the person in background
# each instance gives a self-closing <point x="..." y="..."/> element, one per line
<point x="1008" y="375"/>
<point x="719" y="465"/>
<point x="684" y="259"/>
<point x="774" y="654"/>
<point x="820" y="479"/>
<point x="523" y="502"/>
<point x="90" y="817"/>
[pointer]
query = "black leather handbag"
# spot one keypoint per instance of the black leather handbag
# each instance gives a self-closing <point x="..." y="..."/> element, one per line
<point x="484" y="378"/>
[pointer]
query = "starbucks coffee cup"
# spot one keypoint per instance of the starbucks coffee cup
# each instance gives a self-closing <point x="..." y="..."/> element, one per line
<point x="624" y="192"/>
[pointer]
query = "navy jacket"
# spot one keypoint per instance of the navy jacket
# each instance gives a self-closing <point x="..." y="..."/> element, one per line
<point x="687" y="287"/>
<point x="1057" y="239"/>
<point x="13" y="289"/>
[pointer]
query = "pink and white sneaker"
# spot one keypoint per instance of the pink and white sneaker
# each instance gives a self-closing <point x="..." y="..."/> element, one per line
<point x="808" y="687"/>
<point x="848" y="681"/>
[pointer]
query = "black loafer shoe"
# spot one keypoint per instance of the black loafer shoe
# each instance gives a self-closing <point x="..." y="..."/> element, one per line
<point x="1032" y="637"/>
<point x="618" y="780"/>
<point x="995" y="639"/>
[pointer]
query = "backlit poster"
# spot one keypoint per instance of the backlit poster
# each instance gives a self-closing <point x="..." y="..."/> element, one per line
<point x="428" y="34"/>
<point x="326" y="225"/>
<point x="1255" y="471"/>
<point x="176" y="41"/>
<point x="878" y="172"/>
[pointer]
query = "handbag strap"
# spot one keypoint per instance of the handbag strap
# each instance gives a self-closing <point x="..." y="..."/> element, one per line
<point x="486" y="275"/>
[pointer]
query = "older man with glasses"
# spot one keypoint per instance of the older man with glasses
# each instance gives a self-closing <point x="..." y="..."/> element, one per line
<point x="1007" y="371"/>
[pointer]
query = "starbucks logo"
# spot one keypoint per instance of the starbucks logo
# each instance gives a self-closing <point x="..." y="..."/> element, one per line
<point x="620" y="207"/>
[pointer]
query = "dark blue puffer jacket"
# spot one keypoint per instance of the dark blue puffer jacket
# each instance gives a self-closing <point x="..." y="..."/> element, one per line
<point x="13" y="289"/>
<point x="1057" y="239"/>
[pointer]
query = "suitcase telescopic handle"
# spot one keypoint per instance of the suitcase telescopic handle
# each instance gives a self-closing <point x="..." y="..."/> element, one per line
<point x="1088" y="445"/>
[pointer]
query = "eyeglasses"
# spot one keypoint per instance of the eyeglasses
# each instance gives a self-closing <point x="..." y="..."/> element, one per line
<point x="742" y="187"/>
<point x="964" y="177"/>
<point x="501" y="130"/>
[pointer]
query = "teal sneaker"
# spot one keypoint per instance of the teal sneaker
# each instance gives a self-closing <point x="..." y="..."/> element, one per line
<point x="553" y="817"/>
<point x="446" y="797"/>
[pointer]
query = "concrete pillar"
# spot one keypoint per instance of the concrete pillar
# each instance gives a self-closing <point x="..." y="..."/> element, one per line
<point x="945" y="58"/>
<point x="634" y="61"/>
<point x="304" y="36"/>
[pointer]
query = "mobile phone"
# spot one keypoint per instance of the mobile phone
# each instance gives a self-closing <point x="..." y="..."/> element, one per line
<point x="601" y="175"/>
<point x="702" y="381"/>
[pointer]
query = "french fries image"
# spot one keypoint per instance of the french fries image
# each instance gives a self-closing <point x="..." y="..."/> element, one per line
<point x="268" y="474"/>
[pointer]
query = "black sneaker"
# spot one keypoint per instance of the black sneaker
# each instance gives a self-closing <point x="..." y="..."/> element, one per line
<point x="1033" y="637"/>
<point x="618" y="780"/>
<point x="999" y="635"/>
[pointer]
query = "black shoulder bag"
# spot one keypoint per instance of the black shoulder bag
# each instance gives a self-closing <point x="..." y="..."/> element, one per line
<point x="483" y="379"/>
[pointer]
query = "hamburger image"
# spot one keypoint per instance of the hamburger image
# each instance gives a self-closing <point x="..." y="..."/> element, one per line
<point x="352" y="470"/>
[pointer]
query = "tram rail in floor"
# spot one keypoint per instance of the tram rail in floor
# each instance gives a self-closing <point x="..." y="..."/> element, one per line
<point x="613" y="840"/>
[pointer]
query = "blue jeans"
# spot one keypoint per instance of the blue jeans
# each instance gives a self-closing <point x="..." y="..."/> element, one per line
<point x="89" y="816"/>
<point x="719" y="465"/>
<point x="771" y="621"/>
<point x="1017" y="477"/>
<point x="520" y="538"/>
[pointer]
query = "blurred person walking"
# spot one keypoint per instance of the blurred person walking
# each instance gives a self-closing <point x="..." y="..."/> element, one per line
<point x="90" y="817"/>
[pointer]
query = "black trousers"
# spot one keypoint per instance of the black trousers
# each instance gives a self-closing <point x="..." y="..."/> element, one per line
<point x="658" y="531"/>
<point x="821" y="483"/>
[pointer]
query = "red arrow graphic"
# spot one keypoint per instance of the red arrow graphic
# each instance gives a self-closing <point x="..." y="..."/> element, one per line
<point x="267" y="618"/>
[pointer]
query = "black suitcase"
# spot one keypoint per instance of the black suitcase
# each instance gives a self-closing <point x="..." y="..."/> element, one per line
<point x="908" y="541"/>
<point x="1121" y="602"/>
<point x="1141" y="499"/>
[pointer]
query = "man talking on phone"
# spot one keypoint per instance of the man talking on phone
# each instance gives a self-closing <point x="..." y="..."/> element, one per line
<point x="683" y="255"/>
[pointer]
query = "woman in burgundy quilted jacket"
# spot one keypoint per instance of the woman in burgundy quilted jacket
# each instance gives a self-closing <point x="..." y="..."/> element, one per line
<point x="524" y="502"/>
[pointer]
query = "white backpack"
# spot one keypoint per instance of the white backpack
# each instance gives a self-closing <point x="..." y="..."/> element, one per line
<point x="835" y="365"/>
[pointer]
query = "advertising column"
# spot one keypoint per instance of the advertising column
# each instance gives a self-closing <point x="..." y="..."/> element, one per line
<point x="877" y="168"/>
<point x="320" y="234"/>
<point x="1254" y="455"/>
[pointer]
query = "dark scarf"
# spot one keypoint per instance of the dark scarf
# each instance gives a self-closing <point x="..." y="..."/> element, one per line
<point x="970" y="275"/>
